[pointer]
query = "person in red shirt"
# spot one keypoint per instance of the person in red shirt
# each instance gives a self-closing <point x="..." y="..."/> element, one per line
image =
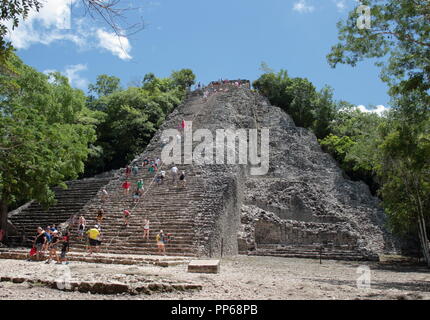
<point x="126" y="186"/>
<point x="127" y="171"/>
<point x="127" y="215"/>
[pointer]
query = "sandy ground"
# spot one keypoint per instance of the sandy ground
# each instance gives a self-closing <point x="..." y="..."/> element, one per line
<point x="241" y="277"/>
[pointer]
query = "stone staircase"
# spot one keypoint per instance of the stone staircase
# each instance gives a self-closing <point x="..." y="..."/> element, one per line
<point x="326" y="252"/>
<point x="181" y="212"/>
<point x="169" y="207"/>
<point x="70" y="201"/>
<point x="105" y="258"/>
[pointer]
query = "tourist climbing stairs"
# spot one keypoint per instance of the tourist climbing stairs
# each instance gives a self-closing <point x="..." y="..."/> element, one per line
<point x="169" y="207"/>
<point x="69" y="202"/>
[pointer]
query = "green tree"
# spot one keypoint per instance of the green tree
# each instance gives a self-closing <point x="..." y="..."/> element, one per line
<point x="303" y="105"/>
<point x="45" y="131"/>
<point x="12" y="11"/>
<point x="399" y="38"/>
<point x="105" y="85"/>
<point x="399" y="41"/>
<point x="299" y="98"/>
<point x="325" y="112"/>
<point x="352" y="142"/>
<point x="131" y="118"/>
<point x="184" y="78"/>
<point x="404" y="168"/>
<point x="274" y="87"/>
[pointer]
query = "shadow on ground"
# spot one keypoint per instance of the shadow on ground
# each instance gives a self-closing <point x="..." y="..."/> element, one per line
<point x="381" y="285"/>
<point x="401" y="267"/>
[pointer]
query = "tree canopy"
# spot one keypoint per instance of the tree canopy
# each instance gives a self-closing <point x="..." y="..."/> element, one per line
<point x="105" y="85"/>
<point x="13" y="11"/>
<point x="298" y="97"/>
<point x="45" y="131"/>
<point x="399" y="39"/>
<point x="131" y="117"/>
<point x="51" y="132"/>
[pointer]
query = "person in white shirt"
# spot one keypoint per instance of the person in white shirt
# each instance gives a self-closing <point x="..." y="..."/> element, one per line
<point x="174" y="172"/>
<point x="146" y="229"/>
<point x="162" y="176"/>
<point x="105" y="195"/>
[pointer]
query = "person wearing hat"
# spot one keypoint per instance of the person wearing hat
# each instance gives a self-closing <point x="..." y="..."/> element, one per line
<point x="93" y="237"/>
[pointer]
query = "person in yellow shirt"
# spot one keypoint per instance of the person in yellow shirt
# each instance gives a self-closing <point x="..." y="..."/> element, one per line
<point x="93" y="237"/>
<point x="161" y="240"/>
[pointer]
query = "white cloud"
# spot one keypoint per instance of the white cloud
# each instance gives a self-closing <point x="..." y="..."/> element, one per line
<point x="302" y="7"/>
<point x="378" y="109"/>
<point x="48" y="71"/>
<point x="118" y="45"/>
<point x="55" y="14"/>
<point x="45" y="26"/>
<point x="72" y="73"/>
<point x="53" y="23"/>
<point x="340" y="5"/>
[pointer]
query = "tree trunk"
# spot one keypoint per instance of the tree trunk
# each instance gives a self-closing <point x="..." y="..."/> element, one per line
<point x="424" y="239"/>
<point x="3" y="218"/>
<point x="423" y="231"/>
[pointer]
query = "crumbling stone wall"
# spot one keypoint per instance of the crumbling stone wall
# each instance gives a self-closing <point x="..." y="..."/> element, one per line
<point x="305" y="198"/>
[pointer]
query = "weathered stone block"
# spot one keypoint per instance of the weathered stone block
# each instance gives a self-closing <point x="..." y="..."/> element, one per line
<point x="204" y="266"/>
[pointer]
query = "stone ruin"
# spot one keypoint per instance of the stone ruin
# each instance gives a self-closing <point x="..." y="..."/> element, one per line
<point x="303" y="207"/>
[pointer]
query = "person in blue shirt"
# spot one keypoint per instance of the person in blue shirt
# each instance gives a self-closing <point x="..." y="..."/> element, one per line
<point x="48" y="236"/>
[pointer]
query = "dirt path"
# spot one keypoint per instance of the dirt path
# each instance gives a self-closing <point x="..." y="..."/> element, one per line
<point x="241" y="277"/>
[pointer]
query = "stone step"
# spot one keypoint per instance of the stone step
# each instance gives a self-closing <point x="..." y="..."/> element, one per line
<point x="168" y="206"/>
<point x="143" y="251"/>
<point x="134" y="219"/>
<point x="106" y="258"/>
<point x="136" y="243"/>
<point x="327" y="256"/>
<point x="76" y="190"/>
<point x="69" y="201"/>
<point x="131" y="248"/>
<point x="57" y="208"/>
<point x="138" y="234"/>
<point x="125" y="245"/>
<point x="117" y="214"/>
<point x="179" y="233"/>
<point x="135" y="229"/>
<point x="335" y="252"/>
<point x="156" y="198"/>
<point x="204" y="266"/>
<point x="305" y="247"/>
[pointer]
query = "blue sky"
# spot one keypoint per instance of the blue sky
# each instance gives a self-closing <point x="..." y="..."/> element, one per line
<point x="218" y="39"/>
